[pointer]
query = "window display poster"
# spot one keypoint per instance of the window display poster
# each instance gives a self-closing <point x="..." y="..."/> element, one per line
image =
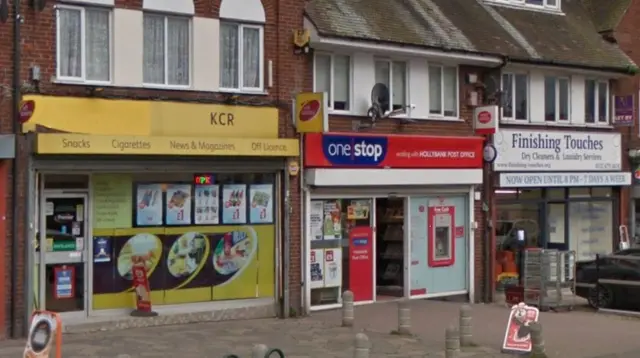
<point x="112" y="201"/>
<point x="315" y="219"/>
<point x="178" y="204"/>
<point x="361" y="263"/>
<point x="207" y="205"/>
<point x="358" y="210"/>
<point x="333" y="267"/>
<point x="149" y="205"/>
<point x="419" y="244"/>
<point x="316" y="266"/>
<point x="64" y="281"/>
<point x="102" y="249"/>
<point x="261" y="210"/>
<point x="234" y="208"/>
<point x="332" y="222"/>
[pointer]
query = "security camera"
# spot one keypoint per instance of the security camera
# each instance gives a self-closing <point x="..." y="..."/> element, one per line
<point x="412" y="106"/>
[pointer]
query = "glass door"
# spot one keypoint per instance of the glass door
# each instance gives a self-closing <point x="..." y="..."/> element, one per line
<point x="63" y="246"/>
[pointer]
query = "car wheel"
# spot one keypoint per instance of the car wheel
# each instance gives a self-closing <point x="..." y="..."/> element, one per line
<point x="600" y="297"/>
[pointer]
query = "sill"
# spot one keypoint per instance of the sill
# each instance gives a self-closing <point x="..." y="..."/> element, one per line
<point x="167" y="87"/>
<point x="79" y="82"/>
<point x="555" y="124"/>
<point x="256" y="92"/>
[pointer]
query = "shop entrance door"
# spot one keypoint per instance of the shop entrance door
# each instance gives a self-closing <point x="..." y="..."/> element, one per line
<point x="64" y="249"/>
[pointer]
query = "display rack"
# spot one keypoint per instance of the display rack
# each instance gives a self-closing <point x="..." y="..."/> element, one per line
<point x="390" y="272"/>
<point x="549" y="279"/>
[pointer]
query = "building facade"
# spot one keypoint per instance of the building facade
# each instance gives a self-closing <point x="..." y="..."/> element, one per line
<point x="160" y="136"/>
<point x="378" y="216"/>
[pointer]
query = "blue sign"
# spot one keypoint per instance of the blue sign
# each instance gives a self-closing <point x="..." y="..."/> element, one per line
<point x="64" y="284"/>
<point x="101" y="249"/>
<point x="355" y="150"/>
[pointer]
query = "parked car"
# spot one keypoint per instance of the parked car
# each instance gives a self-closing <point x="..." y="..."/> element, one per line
<point x="606" y="295"/>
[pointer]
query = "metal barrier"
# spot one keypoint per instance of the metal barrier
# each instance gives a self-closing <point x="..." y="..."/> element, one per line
<point x="612" y="274"/>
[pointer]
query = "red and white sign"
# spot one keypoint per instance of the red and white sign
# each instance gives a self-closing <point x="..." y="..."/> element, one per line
<point x="517" y="336"/>
<point x="356" y="150"/>
<point x="485" y="119"/>
<point x="26" y="110"/>
<point x="141" y="288"/>
<point x="361" y="263"/>
<point x="442" y="243"/>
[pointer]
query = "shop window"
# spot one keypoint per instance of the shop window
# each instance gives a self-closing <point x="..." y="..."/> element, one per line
<point x="341" y="250"/>
<point x="579" y="193"/>
<point x="530" y="194"/>
<point x="601" y="192"/>
<point x="517" y="226"/>
<point x="556" y="223"/>
<point x="194" y="233"/>
<point x="590" y="228"/>
<point x="556" y="194"/>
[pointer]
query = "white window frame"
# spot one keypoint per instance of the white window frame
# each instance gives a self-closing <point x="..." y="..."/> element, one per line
<point x="406" y="83"/>
<point x="557" y="110"/>
<point x="596" y="102"/>
<point x="523" y="3"/>
<point x="166" y="49"/>
<point x="457" y="101"/>
<point x="331" y="79"/>
<point x="513" y="97"/>
<point x="241" y="89"/>
<point x="82" y="79"/>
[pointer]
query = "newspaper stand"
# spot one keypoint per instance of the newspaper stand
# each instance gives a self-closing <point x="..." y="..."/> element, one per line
<point x="549" y="279"/>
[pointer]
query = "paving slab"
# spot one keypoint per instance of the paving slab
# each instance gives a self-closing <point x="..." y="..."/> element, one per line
<point x="573" y="334"/>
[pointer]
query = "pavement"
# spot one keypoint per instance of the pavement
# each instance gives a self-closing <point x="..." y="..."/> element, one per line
<point x="571" y="334"/>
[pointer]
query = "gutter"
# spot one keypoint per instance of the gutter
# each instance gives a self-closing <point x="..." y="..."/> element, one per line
<point x="15" y="127"/>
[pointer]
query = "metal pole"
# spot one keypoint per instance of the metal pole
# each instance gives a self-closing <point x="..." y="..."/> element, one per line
<point x="286" y="264"/>
<point x="17" y="21"/>
<point x="30" y="234"/>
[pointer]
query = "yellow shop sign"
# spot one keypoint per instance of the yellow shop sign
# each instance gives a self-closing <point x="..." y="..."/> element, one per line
<point x="311" y="112"/>
<point x="59" y="143"/>
<point x="151" y="118"/>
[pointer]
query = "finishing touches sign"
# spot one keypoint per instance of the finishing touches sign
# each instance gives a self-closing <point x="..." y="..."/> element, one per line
<point x="521" y="150"/>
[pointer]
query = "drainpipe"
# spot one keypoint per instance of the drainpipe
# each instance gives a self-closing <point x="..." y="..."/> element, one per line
<point x="15" y="253"/>
<point x="488" y="207"/>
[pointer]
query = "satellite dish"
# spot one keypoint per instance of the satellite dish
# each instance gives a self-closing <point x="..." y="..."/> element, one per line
<point x="379" y="101"/>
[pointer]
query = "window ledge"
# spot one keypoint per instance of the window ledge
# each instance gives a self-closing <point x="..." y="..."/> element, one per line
<point x="553" y="124"/>
<point x="244" y="92"/>
<point x="167" y="87"/>
<point x="69" y="81"/>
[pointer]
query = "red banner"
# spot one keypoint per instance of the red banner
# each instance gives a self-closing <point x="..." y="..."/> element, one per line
<point x="361" y="263"/>
<point x="141" y="288"/>
<point x="517" y="336"/>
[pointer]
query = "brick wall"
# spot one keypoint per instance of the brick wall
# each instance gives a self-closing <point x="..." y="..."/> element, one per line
<point x="435" y="128"/>
<point x="38" y="47"/>
<point x="628" y="38"/>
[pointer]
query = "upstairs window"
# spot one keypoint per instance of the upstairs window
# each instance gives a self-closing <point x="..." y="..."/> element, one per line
<point x="241" y="57"/>
<point x="596" y="100"/>
<point x="393" y="74"/>
<point x="515" y="96"/>
<point x="333" y="76"/>
<point x="83" y="44"/>
<point x="556" y="99"/>
<point x="166" y="50"/>
<point x="443" y="91"/>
